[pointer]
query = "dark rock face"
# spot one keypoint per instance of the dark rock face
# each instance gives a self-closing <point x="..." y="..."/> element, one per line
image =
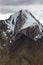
<point x="27" y="49"/>
<point x="3" y="26"/>
<point x="20" y="46"/>
<point x="32" y="31"/>
<point x="19" y="22"/>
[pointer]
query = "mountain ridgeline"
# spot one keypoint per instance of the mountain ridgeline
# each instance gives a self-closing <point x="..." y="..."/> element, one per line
<point x="20" y="21"/>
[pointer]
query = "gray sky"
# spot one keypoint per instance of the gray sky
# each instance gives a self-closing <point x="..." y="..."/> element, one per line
<point x="20" y="2"/>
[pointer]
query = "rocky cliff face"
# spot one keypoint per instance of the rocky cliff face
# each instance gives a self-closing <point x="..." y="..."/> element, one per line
<point x="20" y="36"/>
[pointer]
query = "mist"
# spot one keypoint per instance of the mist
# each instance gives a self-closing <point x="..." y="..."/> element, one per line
<point x="20" y="2"/>
<point x="36" y="10"/>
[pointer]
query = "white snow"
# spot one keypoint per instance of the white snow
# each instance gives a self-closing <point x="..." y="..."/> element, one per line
<point x="37" y="37"/>
<point x="4" y="33"/>
<point x="10" y="25"/>
<point x="38" y="14"/>
<point x="10" y="41"/>
<point x="29" y="21"/>
<point x="4" y="16"/>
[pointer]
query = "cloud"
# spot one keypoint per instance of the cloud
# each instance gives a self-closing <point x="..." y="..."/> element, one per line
<point x="20" y="2"/>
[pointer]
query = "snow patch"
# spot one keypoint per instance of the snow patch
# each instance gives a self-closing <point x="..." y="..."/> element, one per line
<point x="29" y="21"/>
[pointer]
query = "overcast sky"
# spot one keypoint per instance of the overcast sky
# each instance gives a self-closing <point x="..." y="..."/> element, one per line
<point x="20" y="2"/>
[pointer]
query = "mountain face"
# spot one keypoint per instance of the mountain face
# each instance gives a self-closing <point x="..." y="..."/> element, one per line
<point x="20" y="31"/>
<point x="22" y="20"/>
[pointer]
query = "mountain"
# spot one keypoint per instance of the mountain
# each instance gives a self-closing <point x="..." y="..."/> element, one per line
<point x="22" y="20"/>
<point x="21" y="36"/>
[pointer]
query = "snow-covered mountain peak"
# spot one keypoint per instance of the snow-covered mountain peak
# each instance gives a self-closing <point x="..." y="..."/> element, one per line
<point x="21" y="20"/>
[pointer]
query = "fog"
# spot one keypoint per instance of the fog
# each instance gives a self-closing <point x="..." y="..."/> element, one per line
<point x="20" y="2"/>
<point x="36" y="10"/>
